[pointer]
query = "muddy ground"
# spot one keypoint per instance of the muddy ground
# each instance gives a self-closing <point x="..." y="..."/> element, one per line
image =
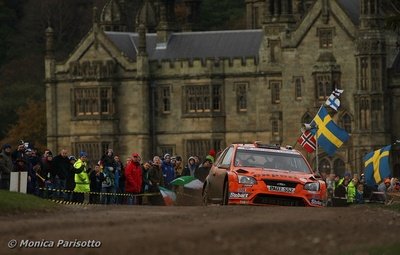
<point x="204" y="230"/>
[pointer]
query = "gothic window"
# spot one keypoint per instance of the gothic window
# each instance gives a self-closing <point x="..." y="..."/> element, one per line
<point x="105" y="102"/>
<point x="376" y="113"/>
<point x="325" y="38"/>
<point x="324" y="86"/>
<point x="241" y="97"/>
<point x="166" y="99"/>
<point x="297" y="88"/>
<point x="275" y="91"/>
<point x="339" y="167"/>
<point x="346" y="122"/>
<point x="216" y="98"/>
<point x="375" y="73"/>
<point x="201" y="147"/>
<point x="364" y="73"/>
<point x="92" y="101"/>
<point x="364" y="114"/>
<point x="95" y="150"/>
<point x="203" y="98"/>
<point x="166" y="148"/>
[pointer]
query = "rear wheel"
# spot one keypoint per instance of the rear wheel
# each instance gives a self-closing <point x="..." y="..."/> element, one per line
<point x="225" y="194"/>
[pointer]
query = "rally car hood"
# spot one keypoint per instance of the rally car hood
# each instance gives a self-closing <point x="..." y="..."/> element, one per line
<point x="274" y="174"/>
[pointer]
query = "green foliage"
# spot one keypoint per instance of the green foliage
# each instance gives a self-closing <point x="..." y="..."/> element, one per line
<point x="30" y="125"/>
<point x="221" y="15"/>
<point x="7" y="20"/>
<point x="12" y="202"/>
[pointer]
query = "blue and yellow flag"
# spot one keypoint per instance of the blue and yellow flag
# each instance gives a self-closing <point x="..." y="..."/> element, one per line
<point x="329" y="136"/>
<point x="377" y="166"/>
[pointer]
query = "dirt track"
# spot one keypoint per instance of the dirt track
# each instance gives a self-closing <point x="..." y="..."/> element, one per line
<point x="205" y="230"/>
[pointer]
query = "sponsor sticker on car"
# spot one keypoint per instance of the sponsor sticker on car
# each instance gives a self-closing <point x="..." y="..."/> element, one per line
<point x="238" y="195"/>
<point x="281" y="189"/>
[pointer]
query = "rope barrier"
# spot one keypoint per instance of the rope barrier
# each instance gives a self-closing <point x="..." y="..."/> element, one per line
<point x="104" y="193"/>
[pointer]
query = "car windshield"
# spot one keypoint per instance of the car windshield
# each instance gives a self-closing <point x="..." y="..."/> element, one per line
<point x="270" y="160"/>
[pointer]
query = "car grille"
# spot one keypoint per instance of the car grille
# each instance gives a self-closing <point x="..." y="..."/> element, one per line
<point x="278" y="200"/>
<point x="281" y="183"/>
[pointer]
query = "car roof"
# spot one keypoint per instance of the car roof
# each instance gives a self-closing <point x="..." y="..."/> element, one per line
<point x="275" y="148"/>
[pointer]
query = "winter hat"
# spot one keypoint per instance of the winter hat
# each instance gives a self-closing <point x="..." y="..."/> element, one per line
<point x="5" y="146"/>
<point x="167" y="155"/>
<point x="212" y="153"/>
<point x="211" y="158"/>
<point x="82" y="154"/>
<point x="135" y="154"/>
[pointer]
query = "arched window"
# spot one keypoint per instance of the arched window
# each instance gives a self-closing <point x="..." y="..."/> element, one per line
<point x="339" y="167"/>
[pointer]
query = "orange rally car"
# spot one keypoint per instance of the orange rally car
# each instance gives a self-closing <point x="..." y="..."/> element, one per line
<point x="260" y="174"/>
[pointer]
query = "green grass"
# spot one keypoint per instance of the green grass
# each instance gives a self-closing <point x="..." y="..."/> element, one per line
<point x="394" y="207"/>
<point x="389" y="249"/>
<point x="12" y="202"/>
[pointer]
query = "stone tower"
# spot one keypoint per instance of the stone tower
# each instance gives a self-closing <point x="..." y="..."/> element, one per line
<point x="372" y="109"/>
<point x="167" y="23"/>
<point x="112" y="17"/>
<point x="192" y="12"/>
<point x="148" y="15"/>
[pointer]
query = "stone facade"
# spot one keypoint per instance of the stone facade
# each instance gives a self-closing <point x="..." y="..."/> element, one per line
<point x="147" y="93"/>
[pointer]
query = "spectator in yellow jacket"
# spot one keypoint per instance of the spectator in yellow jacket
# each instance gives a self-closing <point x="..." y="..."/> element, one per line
<point x="82" y="181"/>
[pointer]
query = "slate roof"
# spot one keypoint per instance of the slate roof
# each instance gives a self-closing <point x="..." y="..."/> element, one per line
<point x="191" y="45"/>
<point x="352" y="8"/>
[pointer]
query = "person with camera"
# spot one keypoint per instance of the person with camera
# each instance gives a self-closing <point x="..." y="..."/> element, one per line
<point x="19" y="153"/>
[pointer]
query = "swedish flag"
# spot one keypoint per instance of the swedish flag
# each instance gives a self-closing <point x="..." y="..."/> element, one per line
<point x="329" y="136"/>
<point x="377" y="166"/>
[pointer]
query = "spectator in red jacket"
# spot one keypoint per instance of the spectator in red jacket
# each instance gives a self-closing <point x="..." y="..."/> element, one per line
<point x="133" y="178"/>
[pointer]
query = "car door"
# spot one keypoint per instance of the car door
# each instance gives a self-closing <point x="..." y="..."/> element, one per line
<point x="218" y="173"/>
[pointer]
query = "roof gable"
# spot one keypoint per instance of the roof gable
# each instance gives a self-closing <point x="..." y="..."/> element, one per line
<point x="336" y="12"/>
<point x="95" y="44"/>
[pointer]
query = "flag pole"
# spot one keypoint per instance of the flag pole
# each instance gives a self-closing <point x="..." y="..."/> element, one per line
<point x="316" y="150"/>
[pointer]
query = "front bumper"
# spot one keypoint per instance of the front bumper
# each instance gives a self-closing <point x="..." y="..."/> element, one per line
<point x="260" y="194"/>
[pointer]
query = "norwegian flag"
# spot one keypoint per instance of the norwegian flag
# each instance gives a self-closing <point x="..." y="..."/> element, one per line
<point x="307" y="141"/>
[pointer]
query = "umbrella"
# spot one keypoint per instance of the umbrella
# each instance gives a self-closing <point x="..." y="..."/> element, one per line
<point x="188" y="182"/>
<point x="195" y="184"/>
<point x="168" y="195"/>
<point x="182" y="180"/>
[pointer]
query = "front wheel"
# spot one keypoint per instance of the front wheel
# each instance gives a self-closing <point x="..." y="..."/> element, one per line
<point x="225" y="194"/>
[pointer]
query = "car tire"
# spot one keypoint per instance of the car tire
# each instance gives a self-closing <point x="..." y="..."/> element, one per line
<point x="225" y="194"/>
<point x="205" y="199"/>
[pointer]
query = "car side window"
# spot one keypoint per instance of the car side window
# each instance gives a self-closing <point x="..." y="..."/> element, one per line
<point x="226" y="161"/>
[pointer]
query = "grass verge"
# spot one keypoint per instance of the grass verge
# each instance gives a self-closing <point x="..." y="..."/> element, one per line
<point x="13" y="202"/>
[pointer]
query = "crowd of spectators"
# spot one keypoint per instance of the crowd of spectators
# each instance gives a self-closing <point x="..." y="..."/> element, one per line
<point x="346" y="190"/>
<point x="107" y="181"/>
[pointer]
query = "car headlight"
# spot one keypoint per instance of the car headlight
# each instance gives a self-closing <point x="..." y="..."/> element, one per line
<point x="246" y="179"/>
<point x="311" y="186"/>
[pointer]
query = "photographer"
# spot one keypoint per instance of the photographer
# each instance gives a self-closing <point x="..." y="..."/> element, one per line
<point x="19" y="153"/>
